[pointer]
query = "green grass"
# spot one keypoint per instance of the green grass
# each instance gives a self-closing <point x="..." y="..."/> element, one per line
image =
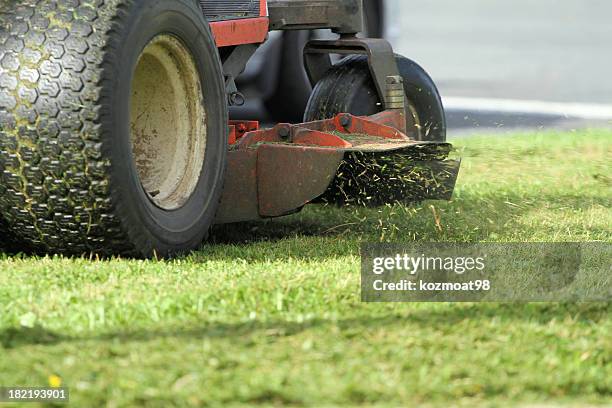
<point x="269" y="313"/>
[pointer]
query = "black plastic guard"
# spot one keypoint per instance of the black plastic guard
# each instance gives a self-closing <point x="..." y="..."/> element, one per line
<point x="218" y="10"/>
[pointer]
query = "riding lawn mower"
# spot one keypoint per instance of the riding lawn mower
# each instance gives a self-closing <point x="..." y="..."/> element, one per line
<point x="115" y="137"/>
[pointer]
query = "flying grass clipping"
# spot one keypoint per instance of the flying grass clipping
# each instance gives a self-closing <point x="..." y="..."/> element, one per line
<point x="408" y="175"/>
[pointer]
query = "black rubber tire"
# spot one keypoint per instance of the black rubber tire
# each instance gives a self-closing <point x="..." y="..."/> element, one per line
<point x="349" y="88"/>
<point x="8" y="241"/>
<point x="290" y="98"/>
<point x="69" y="183"/>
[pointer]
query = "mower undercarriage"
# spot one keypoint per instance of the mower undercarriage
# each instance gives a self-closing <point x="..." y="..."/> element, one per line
<point x="115" y="136"/>
<point x="280" y="170"/>
<point x="343" y="159"/>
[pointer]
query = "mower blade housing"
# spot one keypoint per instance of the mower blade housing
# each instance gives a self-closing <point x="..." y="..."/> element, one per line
<point x="345" y="160"/>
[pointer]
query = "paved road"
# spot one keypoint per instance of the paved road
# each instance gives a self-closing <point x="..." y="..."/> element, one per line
<point x="545" y="50"/>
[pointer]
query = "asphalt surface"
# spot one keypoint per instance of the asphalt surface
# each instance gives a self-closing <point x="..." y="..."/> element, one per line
<point x="483" y="51"/>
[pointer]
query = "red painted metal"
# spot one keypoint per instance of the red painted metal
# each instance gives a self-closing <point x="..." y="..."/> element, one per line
<point x="368" y="127"/>
<point x="382" y="125"/>
<point x="263" y="8"/>
<point x="244" y="126"/>
<point x="232" y="135"/>
<point x="275" y="172"/>
<point x="289" y="177"/>
<point x="392" y="118"/>
<point x="240" y="200"/>
<point x="308" y="137"/>
<point x="241" y="31"/>
<point x="238" y="128"/>
<point x="274" y="180"/>
<point x="323" y="133"/>
<point x="272" y="135"/>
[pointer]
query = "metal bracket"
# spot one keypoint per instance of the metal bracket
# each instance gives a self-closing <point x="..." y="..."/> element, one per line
<point x="381" y="60"/>
<point x="233" y="65"/>
<point x="341" y="16"/>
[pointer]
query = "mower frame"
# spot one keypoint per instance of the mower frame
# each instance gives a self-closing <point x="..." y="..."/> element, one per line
<point x="275" y="172"/>
<point x="344" y="17"/>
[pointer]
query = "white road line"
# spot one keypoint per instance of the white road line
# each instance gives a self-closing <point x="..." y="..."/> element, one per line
<point x="568" y="110"/>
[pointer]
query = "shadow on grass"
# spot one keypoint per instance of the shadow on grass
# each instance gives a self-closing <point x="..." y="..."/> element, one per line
<point x="538" y="313"/>
<point x="472" y="218"/>
<point x="265" y="231"/>
<point x="465" y="219"/>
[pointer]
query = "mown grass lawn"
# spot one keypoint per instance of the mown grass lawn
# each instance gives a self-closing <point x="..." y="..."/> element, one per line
<point x="269" y="313"/>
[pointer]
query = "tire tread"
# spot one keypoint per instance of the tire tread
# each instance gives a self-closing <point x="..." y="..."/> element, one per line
<point x="54" y="175"/>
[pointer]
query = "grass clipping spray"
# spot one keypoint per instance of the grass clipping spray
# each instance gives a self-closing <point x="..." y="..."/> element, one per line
<point x="408" y="175"/>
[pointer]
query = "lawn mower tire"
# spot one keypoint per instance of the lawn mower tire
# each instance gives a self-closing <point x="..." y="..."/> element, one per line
<point x="375" y="178"/>
<point x="113" y="126"/>
<point x="8" y="242"/>
<point x="348" y="87"/>
<point x="293" y="89"/>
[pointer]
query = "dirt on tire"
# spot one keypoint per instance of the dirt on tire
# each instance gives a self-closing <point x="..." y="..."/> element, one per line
<point x="68" y="182"/>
